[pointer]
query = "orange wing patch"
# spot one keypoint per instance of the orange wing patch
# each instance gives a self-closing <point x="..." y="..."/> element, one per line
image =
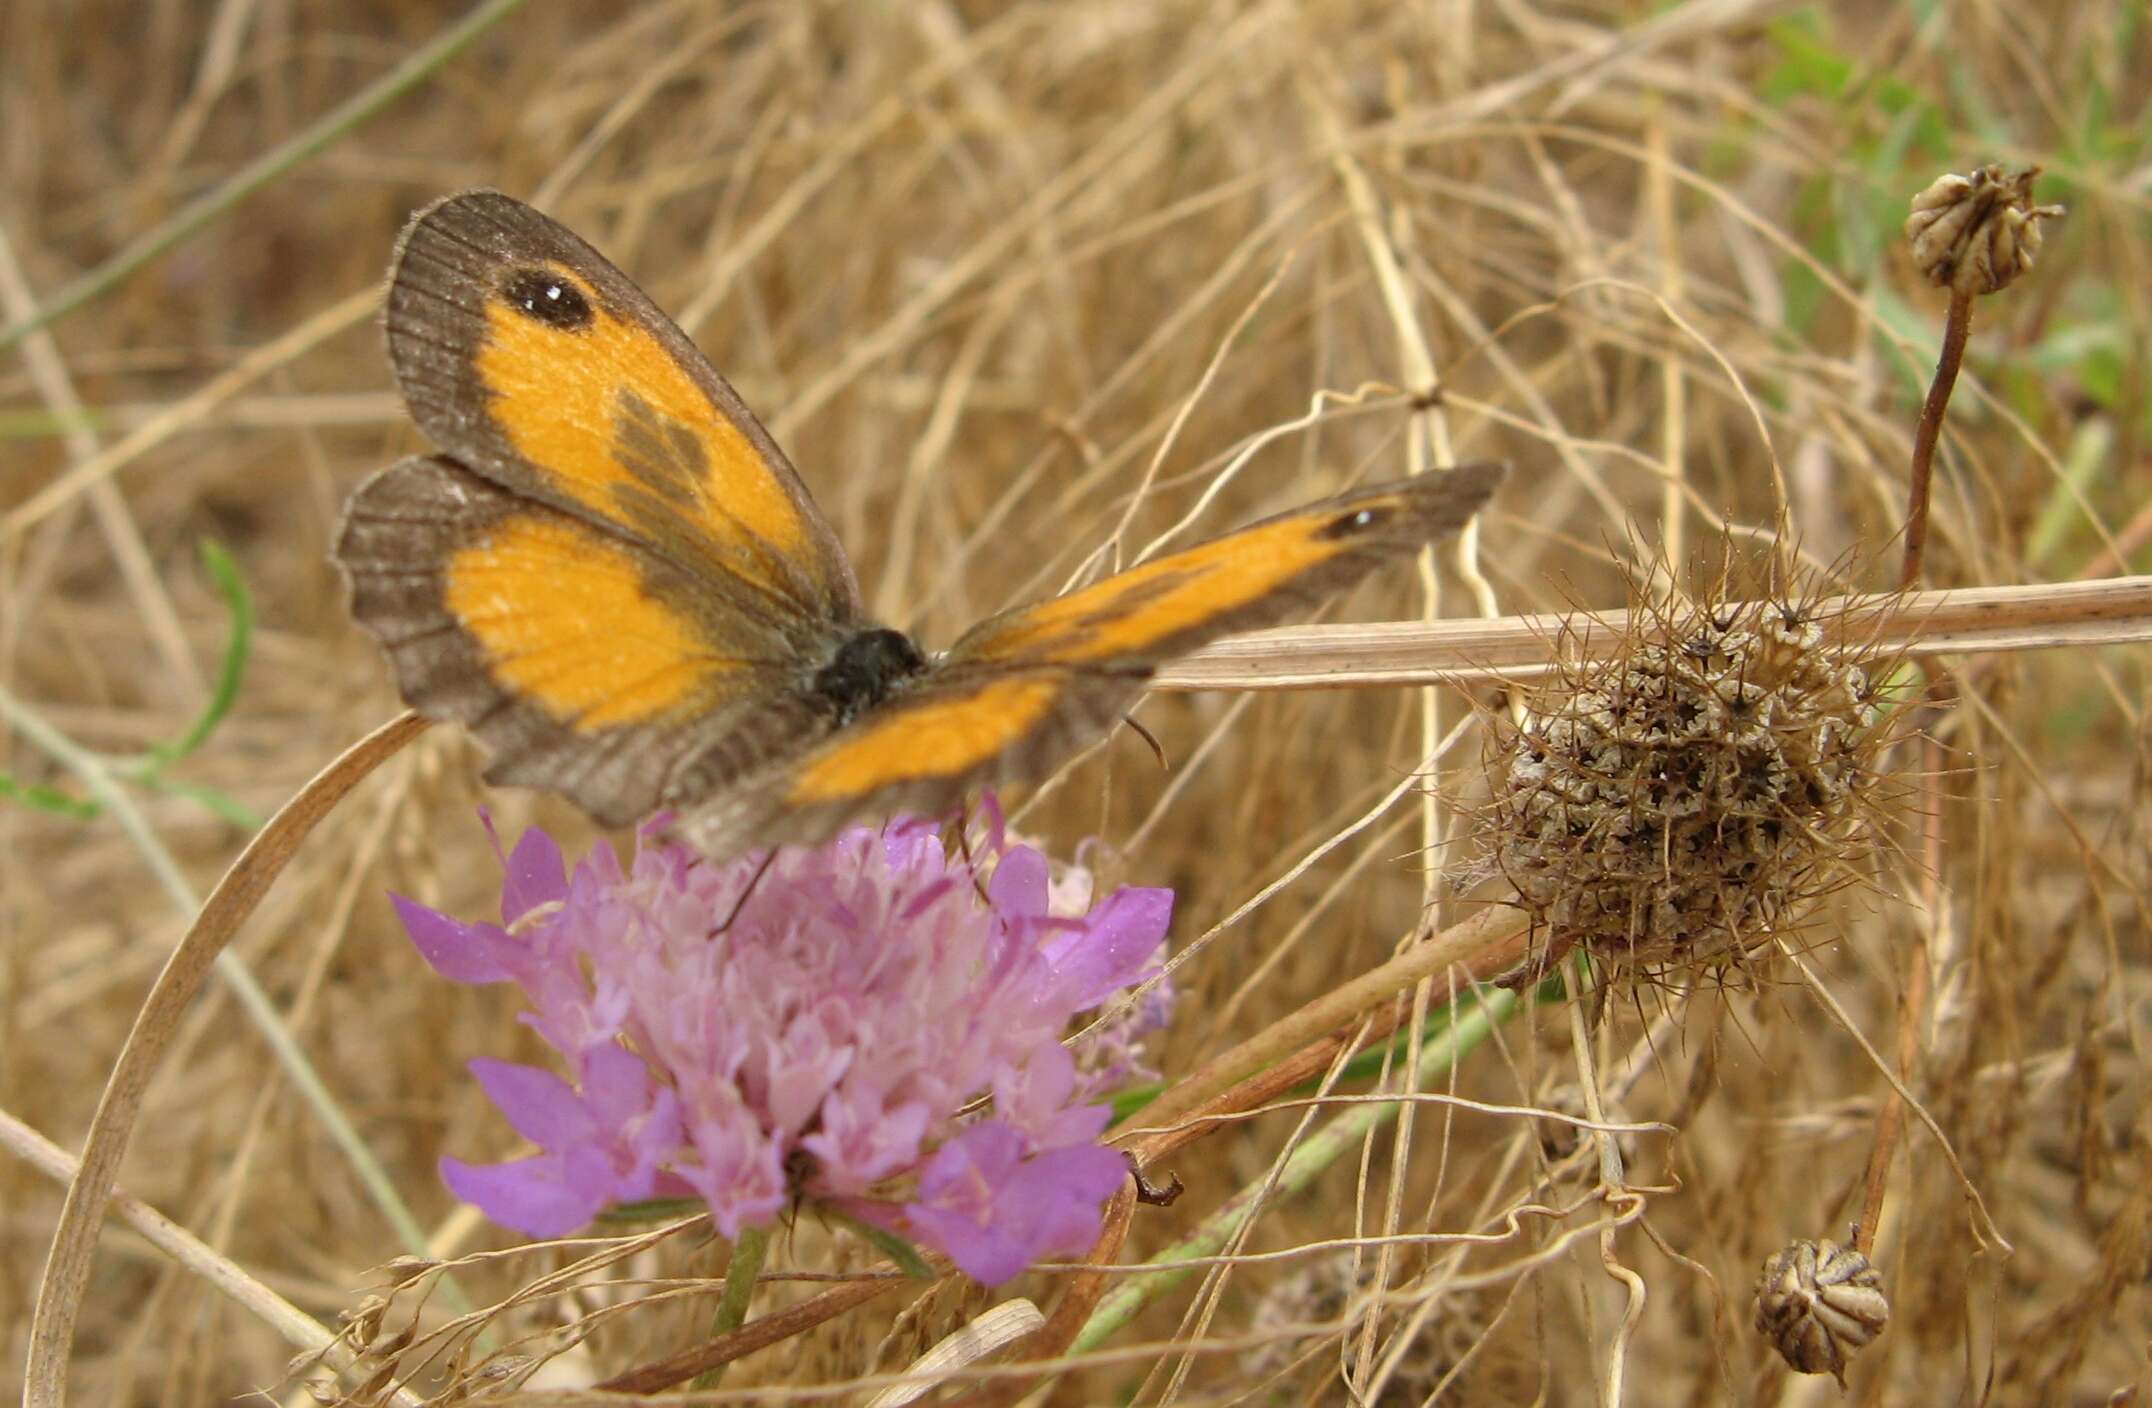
<point x="565" y="622"/>
<point x="1130" y="613"/>
<point x="938" y="738"/>
<point x="598" y="406"/>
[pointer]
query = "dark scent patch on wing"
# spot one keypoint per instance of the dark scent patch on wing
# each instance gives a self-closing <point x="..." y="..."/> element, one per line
<point x="547" y="297"/>
<point x="1076" y="633"/>
<point x="665" y="456"/>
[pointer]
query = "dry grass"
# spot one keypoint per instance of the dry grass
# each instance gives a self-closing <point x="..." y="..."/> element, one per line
<point x="1006" y="281"/>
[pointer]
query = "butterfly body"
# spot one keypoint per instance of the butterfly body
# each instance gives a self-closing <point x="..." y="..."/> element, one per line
<point x="612" y="575"/>
<point x="867" y="668"/>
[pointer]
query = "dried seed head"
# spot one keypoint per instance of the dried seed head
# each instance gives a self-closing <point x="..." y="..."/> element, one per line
<point x="1818" y="1302"/>
<point x="1975" y="234"/>
<point x="1324" y="1292"/>
<point x="1677" y="800"/>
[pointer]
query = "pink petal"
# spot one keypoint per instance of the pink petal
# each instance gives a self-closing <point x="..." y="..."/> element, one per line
<point x="539" y="1196"/>
<point x="533" y="875"/>
<point x="457" y="951"/>
<point x="541" y="1106"/>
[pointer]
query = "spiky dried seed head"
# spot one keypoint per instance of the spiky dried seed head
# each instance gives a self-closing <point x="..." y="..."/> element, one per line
<point x="1819" y="1303"/>
<point x="1695" y="790"/>
<point x="1324" y="1291"/>
<point x="1975" y="234"/>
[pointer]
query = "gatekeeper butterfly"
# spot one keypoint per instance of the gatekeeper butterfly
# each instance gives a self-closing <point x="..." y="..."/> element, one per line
<point x="612" y="575"/>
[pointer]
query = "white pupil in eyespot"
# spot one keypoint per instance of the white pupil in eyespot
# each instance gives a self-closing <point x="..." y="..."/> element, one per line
<point x="1362" y="519"/>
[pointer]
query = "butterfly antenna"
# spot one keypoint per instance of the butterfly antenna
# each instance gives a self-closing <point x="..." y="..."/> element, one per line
<point x="971" y="862"/>
<point x="741" y="903"/>
<point x="1158" y="749"/>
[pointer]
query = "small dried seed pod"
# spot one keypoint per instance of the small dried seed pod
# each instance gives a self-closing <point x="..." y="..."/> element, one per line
<point x="1817" y="1302"/>
<point x="1975" y="234"/>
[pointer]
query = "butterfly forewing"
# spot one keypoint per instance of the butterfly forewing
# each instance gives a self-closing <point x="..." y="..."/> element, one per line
<point x="1246" y="579"/>
<point x="525" y="355"/>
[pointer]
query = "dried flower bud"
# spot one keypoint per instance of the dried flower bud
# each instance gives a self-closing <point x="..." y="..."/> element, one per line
<point x="1817" y="1302"/>
<point x="1975" y="234"/>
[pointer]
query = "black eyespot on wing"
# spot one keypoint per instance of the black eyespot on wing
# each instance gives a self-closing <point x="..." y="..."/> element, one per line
<point x="1351" y="525"/>
<point x="548" y="298"/>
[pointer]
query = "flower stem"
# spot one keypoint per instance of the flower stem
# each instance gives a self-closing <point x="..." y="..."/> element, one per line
<point x="1956" y="325"/>
<point x="748" y="1250"/>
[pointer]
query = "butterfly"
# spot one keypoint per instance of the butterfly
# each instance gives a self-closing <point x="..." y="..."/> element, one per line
<point x="612" y="576"/>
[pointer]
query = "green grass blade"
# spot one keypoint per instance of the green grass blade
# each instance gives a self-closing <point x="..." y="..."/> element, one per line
<point x="46" y="799"/>
<point x="206" y="208"/>
<point x="888" y="1243"/>
<point x="224" y="575"/>
<point x="209" y="799"/>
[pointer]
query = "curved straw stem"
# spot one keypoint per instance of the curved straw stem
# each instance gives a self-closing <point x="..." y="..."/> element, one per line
<point x="74" y="1240"/>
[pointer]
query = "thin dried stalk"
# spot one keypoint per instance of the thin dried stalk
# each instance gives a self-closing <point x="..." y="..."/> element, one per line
<point x="2112" y="611"/>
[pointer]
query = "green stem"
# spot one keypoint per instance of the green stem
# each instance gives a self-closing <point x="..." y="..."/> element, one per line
<point x="1314" y="1155"/>
<point x="211" y="204"/>
<point x="748" y="1250"/>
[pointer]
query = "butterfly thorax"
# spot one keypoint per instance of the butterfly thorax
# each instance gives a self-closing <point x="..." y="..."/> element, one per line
<point x="867" y="668"/>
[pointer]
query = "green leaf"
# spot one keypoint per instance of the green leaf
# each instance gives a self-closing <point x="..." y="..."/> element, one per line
<point x="1129" y="1099"/>
<point x="46" y="799"/>
<point x="224" y="575"/>
<point x="1807" y="64"/>
<point x="652" y="1210"/>
<point x="889" y="1244"/>
<point x="2089" y="452"/>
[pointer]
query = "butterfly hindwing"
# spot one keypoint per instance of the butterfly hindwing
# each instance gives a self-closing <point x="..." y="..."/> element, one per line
<point x="529" y="358"/>
<point x="583" y="664"/>
<point x="1024" y="689"/>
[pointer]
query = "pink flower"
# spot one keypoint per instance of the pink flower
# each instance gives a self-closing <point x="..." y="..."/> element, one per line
<point x="819" y="1046"/>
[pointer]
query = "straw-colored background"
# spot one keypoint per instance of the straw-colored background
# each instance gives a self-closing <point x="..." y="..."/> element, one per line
<point x="987" y="272"/>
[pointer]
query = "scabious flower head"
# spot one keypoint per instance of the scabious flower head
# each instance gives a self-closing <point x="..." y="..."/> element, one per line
<point x="820" y="1044"/>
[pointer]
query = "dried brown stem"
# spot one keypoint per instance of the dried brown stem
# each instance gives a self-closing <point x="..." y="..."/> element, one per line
<point x="2109" y="611"/>
<point x="1957" y="324"/>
